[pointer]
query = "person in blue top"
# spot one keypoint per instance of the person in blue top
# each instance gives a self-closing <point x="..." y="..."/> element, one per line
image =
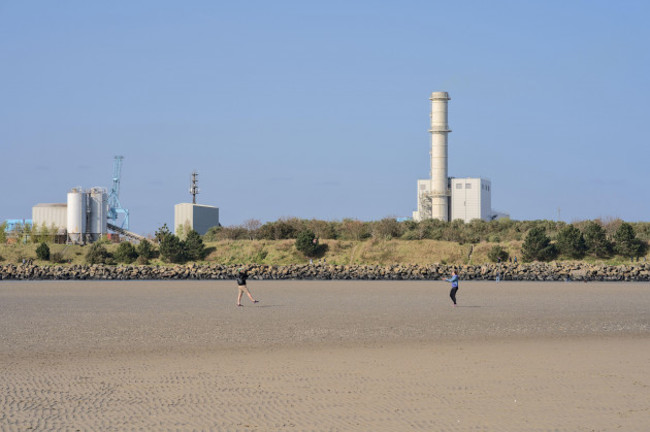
<point x="454" y="286"/>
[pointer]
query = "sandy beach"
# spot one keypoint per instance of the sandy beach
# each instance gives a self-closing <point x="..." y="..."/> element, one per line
<point x="324" y="356"/>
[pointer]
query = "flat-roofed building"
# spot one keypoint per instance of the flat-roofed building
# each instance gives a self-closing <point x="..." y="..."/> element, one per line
<point x="51" y="215"/>
<point x="198" y="217"/>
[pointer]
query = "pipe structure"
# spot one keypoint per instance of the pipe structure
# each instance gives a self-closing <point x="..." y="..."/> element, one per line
<point x="439" y="178"/>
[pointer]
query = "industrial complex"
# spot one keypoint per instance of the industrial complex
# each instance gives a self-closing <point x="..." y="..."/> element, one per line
<point x="449" y="198"/>
<point x="89" y="214"/>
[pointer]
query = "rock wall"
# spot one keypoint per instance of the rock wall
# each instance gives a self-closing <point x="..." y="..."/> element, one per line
<point x="507" y="271"/>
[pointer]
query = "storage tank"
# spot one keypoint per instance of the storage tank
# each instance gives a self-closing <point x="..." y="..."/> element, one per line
<point x="98" y="213"/>
<point x="76" y="215"/>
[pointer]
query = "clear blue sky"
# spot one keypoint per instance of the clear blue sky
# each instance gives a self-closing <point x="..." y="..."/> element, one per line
<point x="320" y="109"/>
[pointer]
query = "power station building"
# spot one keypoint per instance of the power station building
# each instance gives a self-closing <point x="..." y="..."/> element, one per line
<point x="448" y="198"/>
<point x="198" y="217"/>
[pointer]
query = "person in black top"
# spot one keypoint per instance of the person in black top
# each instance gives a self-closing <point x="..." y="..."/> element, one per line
<point x="241" y="284"/>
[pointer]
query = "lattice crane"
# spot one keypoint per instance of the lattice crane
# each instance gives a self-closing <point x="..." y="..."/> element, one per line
<point x="114" y="206"/>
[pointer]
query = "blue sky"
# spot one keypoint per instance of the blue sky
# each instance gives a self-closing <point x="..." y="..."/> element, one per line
<point x="320" y="109"/>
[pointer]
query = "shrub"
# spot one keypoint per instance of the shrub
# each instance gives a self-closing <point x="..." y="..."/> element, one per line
<point x="142" y="260"/>
<point x="172" y="249"/>
<point x="194" y="247"/>
<point x="43" y="252"/>
<point x="307" y="243"/>
<point x="626" y="243"/>
<point x="97" y="254"/>
<point x="537" y="246"/>
<point x="57" y="257"/>
<point x="571" y="242"/>
<point x="596" y="240"/>
<point x="387" y="229"/>
<point x="162" y="232"/>
<point x="145" y="250"/>
<point x="497" y="253"/>
<point x="126" y="253"/>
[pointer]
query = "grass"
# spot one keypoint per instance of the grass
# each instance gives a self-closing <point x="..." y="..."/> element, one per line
<point x="340" y="252"/>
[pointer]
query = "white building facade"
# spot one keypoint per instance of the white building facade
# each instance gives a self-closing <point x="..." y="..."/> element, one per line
<point x="53" y="215"/>
<point x="200" y="218"/>
<point x="471" y="199"/>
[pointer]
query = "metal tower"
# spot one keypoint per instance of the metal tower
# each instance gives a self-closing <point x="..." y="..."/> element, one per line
<point x="194" y="187"/>
<point x="114" y="206"/>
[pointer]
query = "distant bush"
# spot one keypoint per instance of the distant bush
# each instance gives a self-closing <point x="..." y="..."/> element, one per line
<point x="387" y="229"/>
<point x="194" y="247"/>
<point x="145" y="250"/>
<point x="43" y="252"/>
<point x="626" y="244"/>
<point x="571" y="242"/>
<point x="497" y="253"/>
<point x="57" y="257"/>
<point x="537" y="246"/>
<point x="596" y="240"/>
<point x="308" y="244"/>
<point x="97" y="254"/>
<point x="172" y="249"/>
<point x="126" y="253"/>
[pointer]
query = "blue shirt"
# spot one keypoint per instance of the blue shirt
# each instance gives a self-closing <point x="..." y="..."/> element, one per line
<point x="454" y="281"/>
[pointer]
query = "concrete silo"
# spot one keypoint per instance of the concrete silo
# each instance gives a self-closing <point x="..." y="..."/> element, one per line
<point x="98" y="202"/>
<point x="77" y="217"/>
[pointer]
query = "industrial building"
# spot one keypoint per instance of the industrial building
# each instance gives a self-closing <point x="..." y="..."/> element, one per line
<point x="198" y="217"/>
<point x="448" y="198"/>
<point x="83" y="218"/>
<point x="54" y="216"/>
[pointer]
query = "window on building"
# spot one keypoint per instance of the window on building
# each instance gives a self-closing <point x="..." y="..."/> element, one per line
<point x="459" y="185"/>
<point x="468" y="185"/>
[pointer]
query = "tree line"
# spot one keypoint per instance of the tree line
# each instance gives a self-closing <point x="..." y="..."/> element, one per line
<point x="543" y="240"/>
<point x="476" y="231"/>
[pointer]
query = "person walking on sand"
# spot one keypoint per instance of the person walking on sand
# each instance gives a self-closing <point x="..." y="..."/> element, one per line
<point x="454" y="286"/>
<point x="241" y="284"/>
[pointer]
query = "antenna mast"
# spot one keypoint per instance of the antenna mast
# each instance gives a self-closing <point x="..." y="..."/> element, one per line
<point x="194" y="187"/>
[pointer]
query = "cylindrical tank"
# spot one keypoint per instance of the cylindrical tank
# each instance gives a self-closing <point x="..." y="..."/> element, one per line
<point x="439" y="178"/>
<point x="98" y="212"/>
<point x="76" y="223"/>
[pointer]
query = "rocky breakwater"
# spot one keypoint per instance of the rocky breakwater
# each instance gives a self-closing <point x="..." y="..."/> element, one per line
<point x="555" y="271"/>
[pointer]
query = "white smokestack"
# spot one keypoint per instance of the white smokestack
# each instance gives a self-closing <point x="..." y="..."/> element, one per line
<point x="439" y="178"/>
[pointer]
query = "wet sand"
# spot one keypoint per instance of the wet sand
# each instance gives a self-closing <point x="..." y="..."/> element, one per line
<point x="324" y="356"/>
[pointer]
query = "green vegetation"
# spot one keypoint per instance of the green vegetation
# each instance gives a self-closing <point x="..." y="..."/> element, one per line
<point x="596" y="240"/>
<point x="537" y="246"/>
<point x="571" y="242"/>
<point x="308" y="244"/>
<point x="97" y="254"/>
<point x="43" y="252"/>
<point x="497" y="254"/>
<point x="351" y="241"/>
<point x="145" y="250"/>
<point x="194" y="247"/>
<point x="125" y="253"/>
<point x="626" y="244"/>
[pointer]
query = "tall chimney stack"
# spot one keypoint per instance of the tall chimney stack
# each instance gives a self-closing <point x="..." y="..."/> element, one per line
<point x="439" y="177"/>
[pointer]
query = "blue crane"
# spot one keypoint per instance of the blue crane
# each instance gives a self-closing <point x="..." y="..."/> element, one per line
<point x="114" y="207"/>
